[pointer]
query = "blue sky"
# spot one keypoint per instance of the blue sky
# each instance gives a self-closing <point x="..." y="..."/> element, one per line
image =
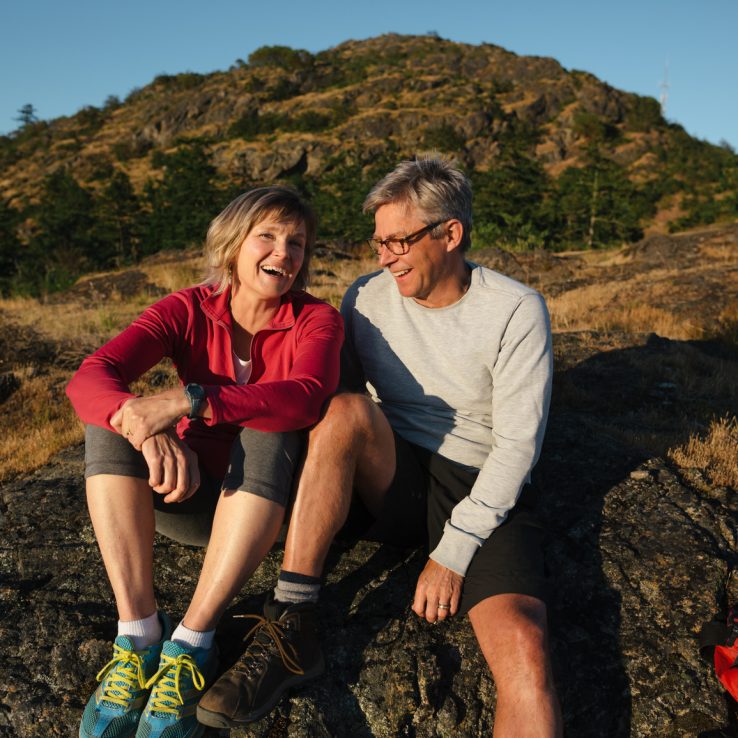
<point x="61" y="55"/>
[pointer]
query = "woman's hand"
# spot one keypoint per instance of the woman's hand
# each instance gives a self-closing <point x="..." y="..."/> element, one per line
<point x="142" y="417"/>
<point x="173" y="467"/>
<point x="437" y="593"/>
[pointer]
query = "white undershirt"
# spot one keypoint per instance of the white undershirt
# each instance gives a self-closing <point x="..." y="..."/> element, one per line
<point x="241" y="368"/>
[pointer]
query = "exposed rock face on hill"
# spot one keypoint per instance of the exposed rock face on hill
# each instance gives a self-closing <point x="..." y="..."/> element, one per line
<point x="288" y="112"/>
<point x="638" y="558"/>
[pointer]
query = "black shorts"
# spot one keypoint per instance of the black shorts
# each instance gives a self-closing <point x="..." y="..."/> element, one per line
<point x="263" y="464"/>
<point x="425" y="489"/>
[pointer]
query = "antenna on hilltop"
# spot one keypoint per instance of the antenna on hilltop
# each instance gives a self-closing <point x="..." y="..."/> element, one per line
<point x="664" y="96"/>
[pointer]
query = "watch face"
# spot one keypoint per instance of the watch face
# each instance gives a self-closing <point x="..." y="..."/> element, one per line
<point x="195" y="392"/>
<point x="196" y="395"/>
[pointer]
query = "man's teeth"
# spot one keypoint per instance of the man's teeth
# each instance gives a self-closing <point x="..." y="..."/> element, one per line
<point x="402" y="273"/>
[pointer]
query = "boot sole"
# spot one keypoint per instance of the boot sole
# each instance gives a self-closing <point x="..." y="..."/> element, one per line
<point x="218" y="720"/>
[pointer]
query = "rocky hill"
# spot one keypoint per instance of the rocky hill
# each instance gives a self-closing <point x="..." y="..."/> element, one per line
<point x="558" y="158"/>
<point x="642" y="537"/>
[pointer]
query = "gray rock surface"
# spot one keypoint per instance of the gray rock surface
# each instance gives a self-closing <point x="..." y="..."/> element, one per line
<point x="639" y="557"/>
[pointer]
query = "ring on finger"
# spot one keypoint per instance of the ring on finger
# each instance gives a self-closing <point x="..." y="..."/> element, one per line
<point x="441" y="606"/>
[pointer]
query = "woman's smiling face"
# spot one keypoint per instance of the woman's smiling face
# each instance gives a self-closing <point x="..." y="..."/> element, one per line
<point x="270" y="257"/>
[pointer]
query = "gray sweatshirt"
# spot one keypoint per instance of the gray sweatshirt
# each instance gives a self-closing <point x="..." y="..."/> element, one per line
<point x="470" y="381"/>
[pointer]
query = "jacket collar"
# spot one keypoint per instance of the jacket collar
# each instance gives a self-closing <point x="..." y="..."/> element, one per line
<point x="218" y="307"/>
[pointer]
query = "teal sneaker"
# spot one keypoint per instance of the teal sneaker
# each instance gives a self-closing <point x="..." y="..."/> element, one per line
<point x="116" y="705"/>
<point x="184" y="674"/>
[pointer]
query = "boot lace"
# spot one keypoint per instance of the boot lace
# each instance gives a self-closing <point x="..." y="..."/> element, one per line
<point x="270" y="636"/>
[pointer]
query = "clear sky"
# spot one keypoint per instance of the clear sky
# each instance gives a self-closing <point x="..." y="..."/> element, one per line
<point x="61" y="55"/>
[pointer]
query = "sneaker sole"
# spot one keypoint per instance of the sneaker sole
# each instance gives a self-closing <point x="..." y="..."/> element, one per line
<point x="218" y="720"/>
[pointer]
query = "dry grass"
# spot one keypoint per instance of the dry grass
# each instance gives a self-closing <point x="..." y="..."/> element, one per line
<point x="47" y="420"/>
<point x="595" y="307"/>
<point x="715" y="453"/>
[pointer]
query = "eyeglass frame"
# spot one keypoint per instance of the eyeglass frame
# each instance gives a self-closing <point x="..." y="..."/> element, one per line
<point x="404" y="242"/>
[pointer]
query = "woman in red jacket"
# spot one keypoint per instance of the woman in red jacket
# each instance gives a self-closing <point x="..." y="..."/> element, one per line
<point x="210" y="462"/>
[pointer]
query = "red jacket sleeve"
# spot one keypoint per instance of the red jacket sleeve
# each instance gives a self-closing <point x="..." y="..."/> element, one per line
<point x="293" y="402"/>
<point x="101" y="384"/>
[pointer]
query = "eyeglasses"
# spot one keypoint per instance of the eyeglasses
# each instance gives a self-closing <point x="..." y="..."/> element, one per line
<point x="400" y="245"/>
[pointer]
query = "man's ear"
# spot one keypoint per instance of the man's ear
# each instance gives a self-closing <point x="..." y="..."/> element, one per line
<point x="454" y="234"/>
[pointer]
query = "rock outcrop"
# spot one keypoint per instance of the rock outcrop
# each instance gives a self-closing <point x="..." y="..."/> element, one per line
<point x="639" y="556"/>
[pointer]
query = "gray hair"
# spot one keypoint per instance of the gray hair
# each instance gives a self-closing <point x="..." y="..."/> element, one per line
<point x="228" y="230"/>
<point x="433" y="185"/>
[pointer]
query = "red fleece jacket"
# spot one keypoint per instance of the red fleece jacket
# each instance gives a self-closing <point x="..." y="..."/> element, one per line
<point x="295" y="367"/>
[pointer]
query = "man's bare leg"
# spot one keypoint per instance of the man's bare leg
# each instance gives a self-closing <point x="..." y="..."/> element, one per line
<point x="512" y="633"/>
<point x="351" y="447"/>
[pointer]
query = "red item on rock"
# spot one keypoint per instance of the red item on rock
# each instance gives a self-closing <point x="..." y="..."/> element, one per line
<point x="726" y="657"/>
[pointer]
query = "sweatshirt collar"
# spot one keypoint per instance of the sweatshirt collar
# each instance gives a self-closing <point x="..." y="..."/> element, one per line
<point x="218" y="307"/>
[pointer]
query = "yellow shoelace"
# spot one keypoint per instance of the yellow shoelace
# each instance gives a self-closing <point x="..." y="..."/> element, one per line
<point x="128" y="677"/>
<point x="167" y="696"/>
<point x="276" y="631"/>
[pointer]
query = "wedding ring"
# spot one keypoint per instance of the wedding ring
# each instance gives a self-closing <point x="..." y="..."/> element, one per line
<point x="443" y="607"/>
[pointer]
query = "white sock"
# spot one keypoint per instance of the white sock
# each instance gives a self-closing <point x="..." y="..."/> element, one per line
<point x="193" y="638"/>
<point x="141" y="633"/>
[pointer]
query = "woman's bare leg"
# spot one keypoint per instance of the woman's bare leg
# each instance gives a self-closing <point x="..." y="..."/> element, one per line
<point x="245" y="527"/>
<point x="122" y="514"/>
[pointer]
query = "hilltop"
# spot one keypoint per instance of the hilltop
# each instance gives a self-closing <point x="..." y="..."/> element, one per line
<point x="558" y="158"/>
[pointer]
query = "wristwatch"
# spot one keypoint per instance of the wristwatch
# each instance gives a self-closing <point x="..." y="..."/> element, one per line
<point x="196" y="395"/>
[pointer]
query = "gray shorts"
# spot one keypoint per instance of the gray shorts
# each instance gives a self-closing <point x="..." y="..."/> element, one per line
<point x="262" y="464"/>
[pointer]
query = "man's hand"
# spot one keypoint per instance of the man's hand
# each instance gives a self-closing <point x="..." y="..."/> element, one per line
<point x="436" y="586"/>
<point x="142" y="417"/>
<point x="173" y="467"/>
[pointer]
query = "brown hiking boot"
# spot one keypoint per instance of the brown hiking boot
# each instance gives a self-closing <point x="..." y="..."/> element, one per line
<point x="283" y="653"/>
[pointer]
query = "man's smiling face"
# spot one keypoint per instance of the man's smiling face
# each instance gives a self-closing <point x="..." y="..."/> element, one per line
<point x="423" y="272"/>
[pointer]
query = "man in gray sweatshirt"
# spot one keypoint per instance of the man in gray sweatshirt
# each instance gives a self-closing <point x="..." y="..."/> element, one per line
<point x="447" y="369"/>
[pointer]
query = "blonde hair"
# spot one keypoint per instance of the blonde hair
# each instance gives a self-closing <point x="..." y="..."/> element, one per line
<point x="433" y="185"/>
<point x="228" y="230"/>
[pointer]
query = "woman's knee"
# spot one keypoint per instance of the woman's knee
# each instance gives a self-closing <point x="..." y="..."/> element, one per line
<point x="265" y="463"/>
<point x="107" y="452"/>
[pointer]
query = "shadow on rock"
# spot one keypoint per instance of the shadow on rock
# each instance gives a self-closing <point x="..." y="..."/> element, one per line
<point x="638" y="558"/>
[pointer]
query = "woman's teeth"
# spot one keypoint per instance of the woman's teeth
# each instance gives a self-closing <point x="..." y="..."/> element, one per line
<point x="276" y="271"/>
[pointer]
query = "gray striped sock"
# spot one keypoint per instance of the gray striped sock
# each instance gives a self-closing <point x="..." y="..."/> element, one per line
<point x="292" y="588"/>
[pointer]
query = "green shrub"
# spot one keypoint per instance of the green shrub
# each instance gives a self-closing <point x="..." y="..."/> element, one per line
<point x="644" y="114"/>
<point x="281" y="57"/>
<point x="443" y="138"/>
<point x="594" y="128"/>
<point x="182" y="81"/>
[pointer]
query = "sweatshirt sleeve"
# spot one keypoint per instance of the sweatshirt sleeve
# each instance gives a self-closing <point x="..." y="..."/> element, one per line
<point x="102" y="383"/>
<point x="293" y="402"/>
<point x="522" y="377"/>
<point x="352" y="374"/>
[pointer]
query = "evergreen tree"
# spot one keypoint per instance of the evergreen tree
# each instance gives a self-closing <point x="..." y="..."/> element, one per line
<point x="181" y="206"/>
<point x="117" y="222"/>
<point x="10" y="246"/>
<point x="63" y="246"/>
<point x="27" y="115"/>
<point x="337" y="195"/>
<point x="597" y="205"/>
<point x="509" y="203"/>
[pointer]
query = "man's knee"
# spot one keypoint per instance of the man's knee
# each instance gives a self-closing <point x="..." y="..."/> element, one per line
<point x="347" y="415"/>
<point x="513" y="635"/>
